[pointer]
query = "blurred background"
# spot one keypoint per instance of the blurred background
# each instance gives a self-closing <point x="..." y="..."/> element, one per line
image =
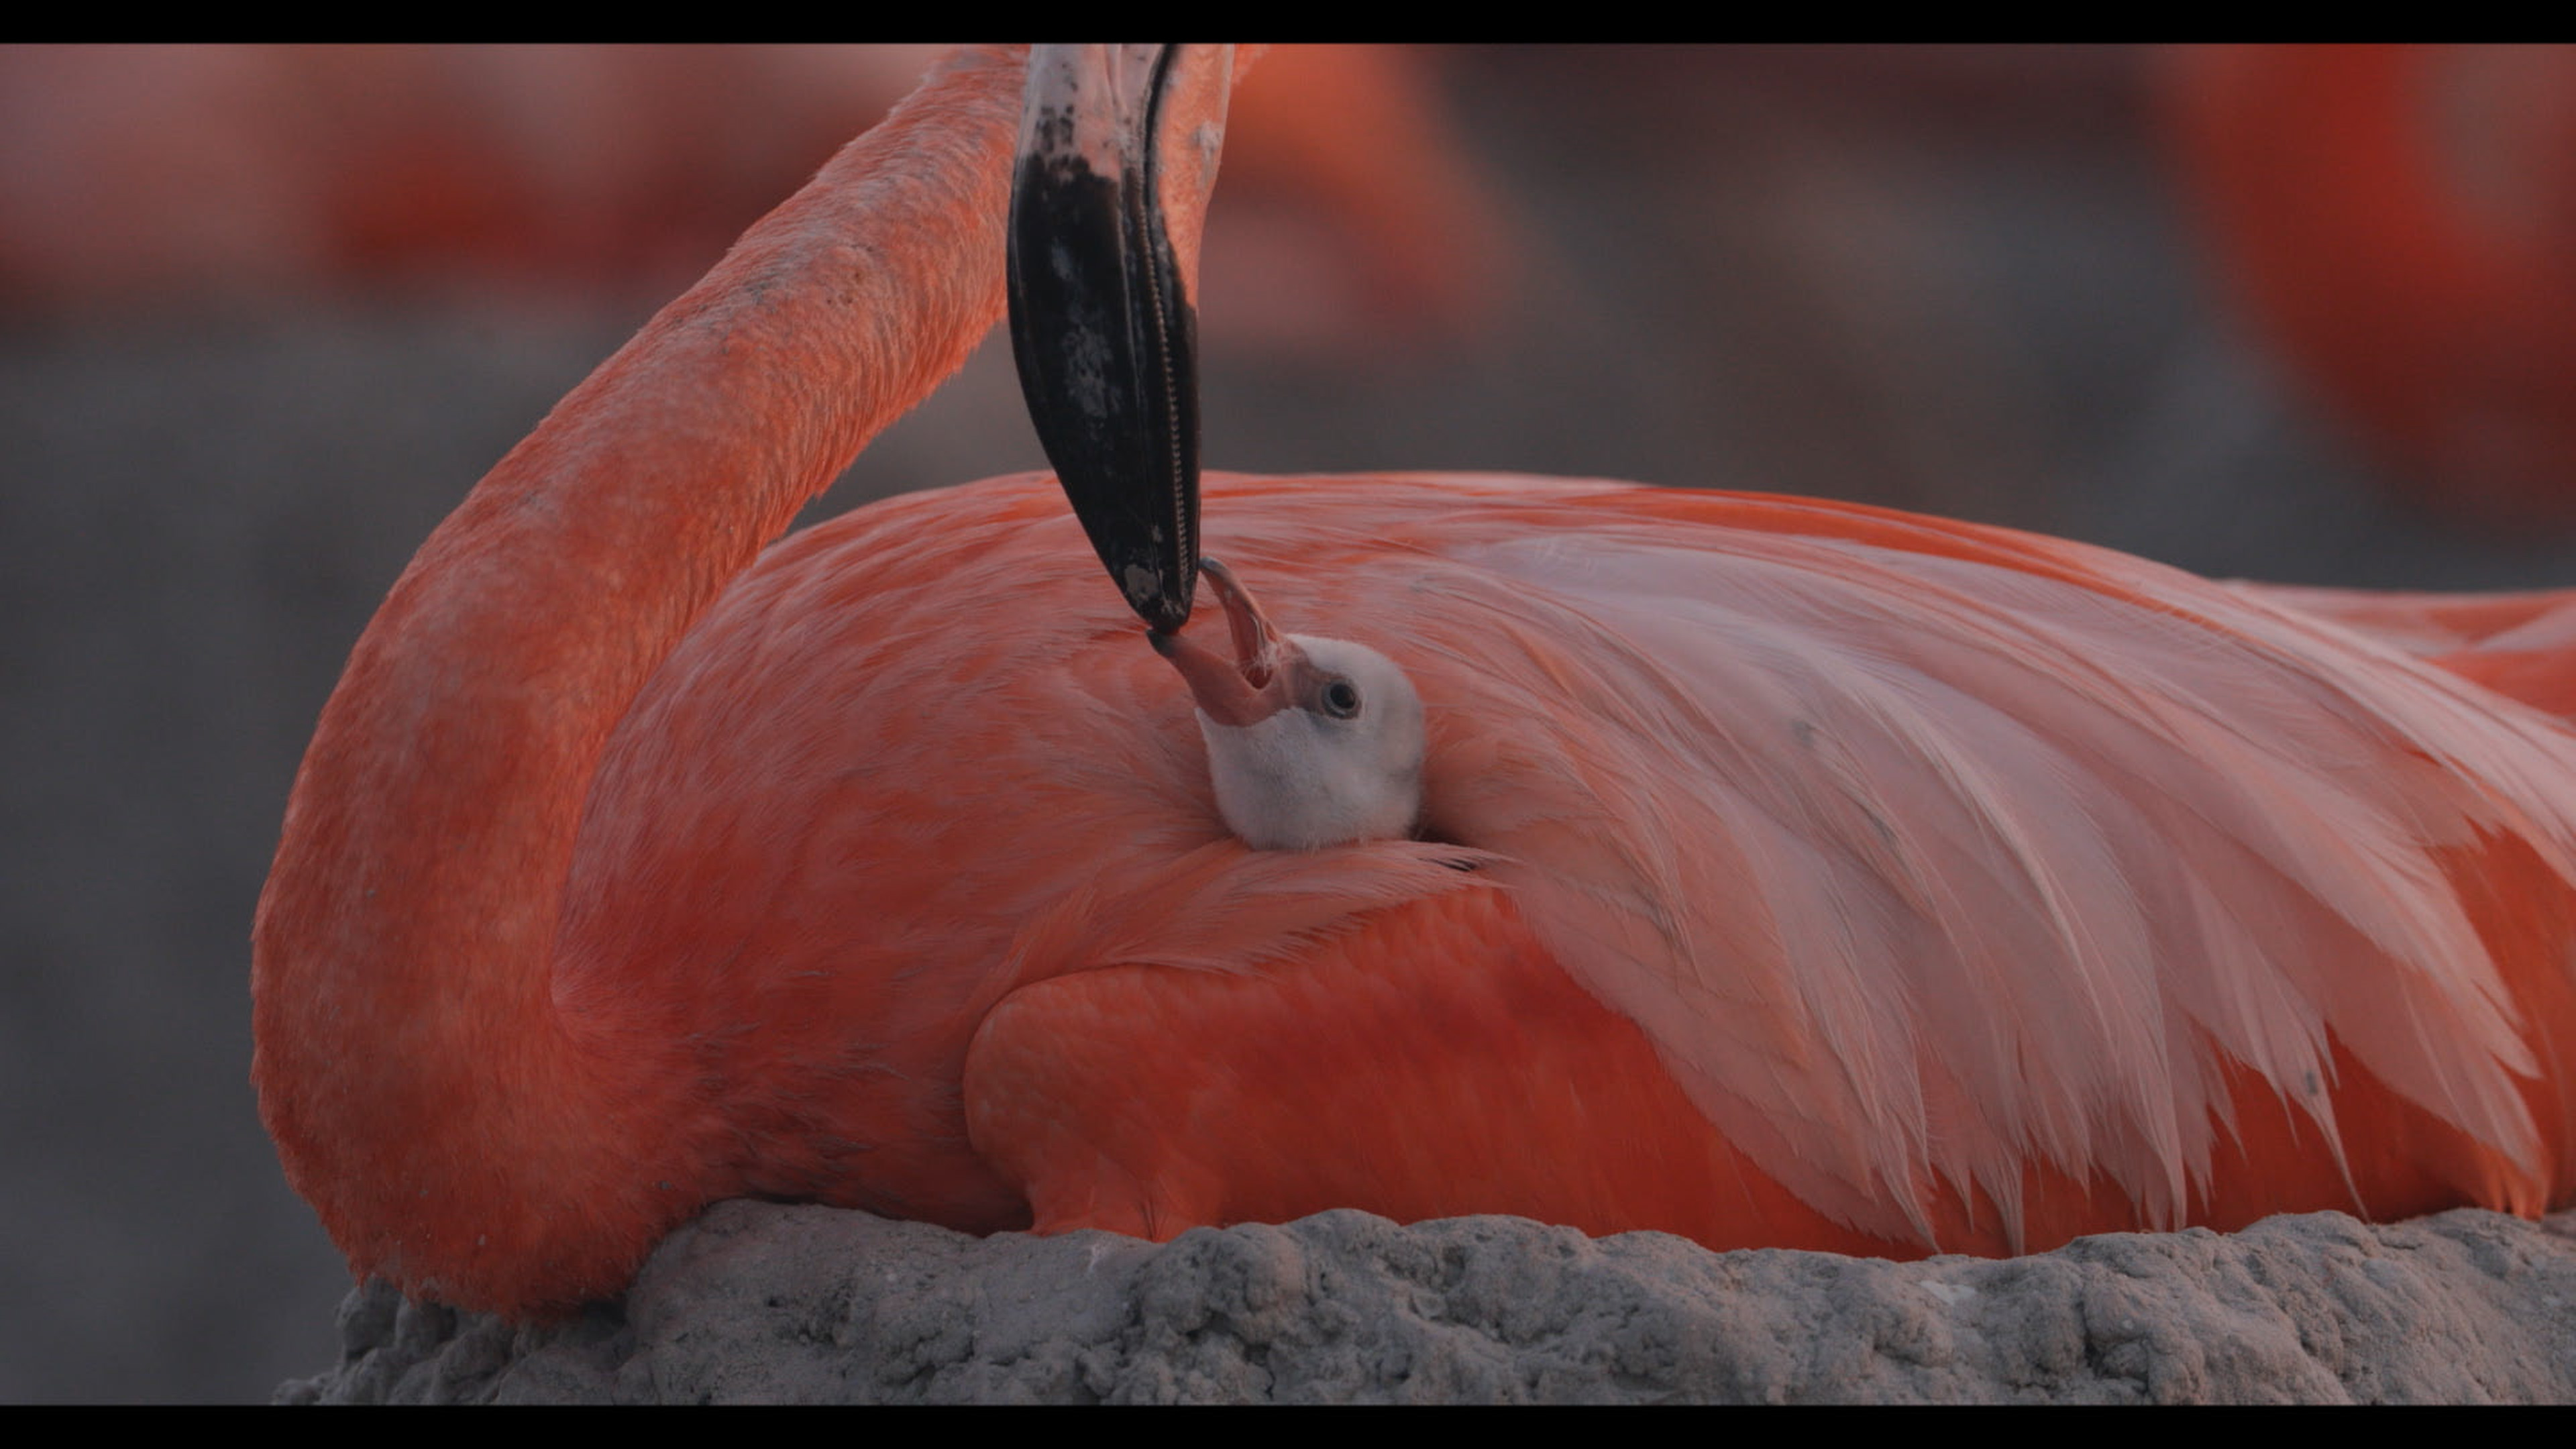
<point x="266" y="313"/>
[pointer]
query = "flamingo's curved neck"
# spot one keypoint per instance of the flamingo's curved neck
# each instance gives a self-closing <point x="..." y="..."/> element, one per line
<point x="412" y="1062"/>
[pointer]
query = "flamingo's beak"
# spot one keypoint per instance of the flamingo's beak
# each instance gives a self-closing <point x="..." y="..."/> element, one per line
<point x="1258" y="681"/>
<point x="1118" y="148"/>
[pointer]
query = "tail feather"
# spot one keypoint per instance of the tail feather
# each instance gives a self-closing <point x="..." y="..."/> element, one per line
<point x="2520" y="645"/>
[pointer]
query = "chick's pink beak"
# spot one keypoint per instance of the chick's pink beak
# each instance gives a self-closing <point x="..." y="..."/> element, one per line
<point x="1252" y="686"/>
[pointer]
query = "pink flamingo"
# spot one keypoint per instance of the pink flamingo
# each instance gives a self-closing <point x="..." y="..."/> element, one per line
<point x="1772" y="871"/>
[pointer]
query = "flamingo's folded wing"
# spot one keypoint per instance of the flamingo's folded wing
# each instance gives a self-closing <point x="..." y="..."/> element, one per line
<point x="1925" y="851"/>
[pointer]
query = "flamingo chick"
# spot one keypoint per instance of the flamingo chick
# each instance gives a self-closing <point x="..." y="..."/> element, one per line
<point x="1311" y="742"/>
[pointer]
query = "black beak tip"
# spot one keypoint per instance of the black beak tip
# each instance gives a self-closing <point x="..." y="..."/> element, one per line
<point x="1157" y="587"/>
<point x="1164" y="610"/>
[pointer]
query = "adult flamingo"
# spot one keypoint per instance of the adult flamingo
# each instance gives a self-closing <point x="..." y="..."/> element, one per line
<point x="1786" y="873"/>
<point x="141" y="177"/>
<point x="2399" y="223"/>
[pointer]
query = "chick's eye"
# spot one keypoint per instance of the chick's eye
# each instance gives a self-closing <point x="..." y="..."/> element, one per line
<point x="1342" y="699"/>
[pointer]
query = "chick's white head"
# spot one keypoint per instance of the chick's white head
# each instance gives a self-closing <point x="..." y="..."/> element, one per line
<point x="1311" y="742"/>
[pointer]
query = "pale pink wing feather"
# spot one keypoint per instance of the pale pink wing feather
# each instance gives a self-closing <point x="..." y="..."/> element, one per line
<point x="2429" y="625"/>
<point x="1917" y="866"/>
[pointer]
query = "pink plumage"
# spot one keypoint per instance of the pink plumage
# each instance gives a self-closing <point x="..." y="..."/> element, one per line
<point x="1793" y="873"/>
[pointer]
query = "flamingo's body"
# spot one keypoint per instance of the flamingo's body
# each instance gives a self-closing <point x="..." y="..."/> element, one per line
<point x="1793" y="873"/>
<point x="140" y="177"/>
<point x="2399" y="222"/>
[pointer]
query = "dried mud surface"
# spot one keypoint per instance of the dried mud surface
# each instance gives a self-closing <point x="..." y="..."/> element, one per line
<point x="762" y="1303"/>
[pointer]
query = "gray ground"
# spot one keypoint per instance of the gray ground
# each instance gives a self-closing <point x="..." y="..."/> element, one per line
<point x="767" y="1304"/>
<point x="1952" y="285"/>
